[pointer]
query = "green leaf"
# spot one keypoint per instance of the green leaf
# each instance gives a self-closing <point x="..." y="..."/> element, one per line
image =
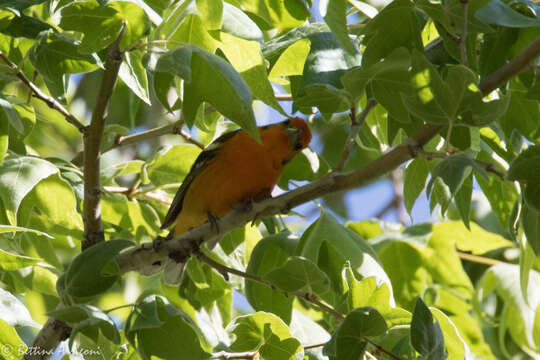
<point x="396" y="25"/>
<point x="205" y="285"/>
<point x="329" y="245"/>
<point x="463" y="200"/>
<point x="211" y="12"/>
<point x="123" y="168"/>
<point x="172" y="165"/>
<point x="299" y="273"/>
<point x="87" y="16"/>
<point x="20" y="4"/>
<point x="519" y="318"/>
<point x="89" y="275"/>
<point x="415" y="180"/>
<point x="426" y="335"/>
<point x="245" y="56"/>
<point x="497" y="12"/>
<point x="236" y="22"/>
<point x="12" y="345"/>
<point x="265" y="333"/>
<point x="270" y="253"/>
<point x="335" y="15"/>
<point x="456" y="346"/>
<point x="454" y="170"/>
<point x="526" y="166"/>
<point x="473" y="239"/>
<point x="433" y="100"/>
<point x="18" y="176"/>
<point x="88" y="320"/>
<point x="521" y="115"/>
<point x="292" y="59"/>
<point x="13" y="312"/>
<point x="348" y="342"/>
<point x="325" y="64"/>
<point x="307" y="165"/>
<point x="366" y="292"/>
<point x="54" y="56"/>
<point x="530" y="218"/>
<point x="133" y="74"/>
<point x="193" y="31"/>
<point x="9" y="114"/>
<point x="419" y="256"/>
<point x="10" y="261"/>
<point x="208" y="77"/>
<point x="155" y="329"/>
<point x="10" y="228"/>
<point x="56" y="206"/>
<point x="501" y="195"/>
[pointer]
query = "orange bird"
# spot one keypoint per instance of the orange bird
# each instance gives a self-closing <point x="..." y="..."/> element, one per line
<point x="233" y="169"/>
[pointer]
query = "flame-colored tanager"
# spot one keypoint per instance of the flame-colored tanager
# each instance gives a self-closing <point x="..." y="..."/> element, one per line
<point x="233" y="169"/>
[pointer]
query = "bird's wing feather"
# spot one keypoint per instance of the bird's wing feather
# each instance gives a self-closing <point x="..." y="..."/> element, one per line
<point x="198" y="166"/>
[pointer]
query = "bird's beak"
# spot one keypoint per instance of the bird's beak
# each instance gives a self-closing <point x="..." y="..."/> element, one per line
<point x="294" y="135"/>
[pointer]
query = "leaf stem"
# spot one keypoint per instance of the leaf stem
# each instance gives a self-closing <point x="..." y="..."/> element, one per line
<point x="49" y="100"/>
<point x="356" y="125"/>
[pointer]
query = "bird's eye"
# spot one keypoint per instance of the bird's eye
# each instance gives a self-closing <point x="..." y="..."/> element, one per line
<point x="286" y="123"/>
<point x="297" y="146"/>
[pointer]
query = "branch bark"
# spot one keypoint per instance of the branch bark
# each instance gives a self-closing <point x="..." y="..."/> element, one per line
<point x="49" y="100"/>
<point x="93" y="229"/>
<point x="53" y="332"/>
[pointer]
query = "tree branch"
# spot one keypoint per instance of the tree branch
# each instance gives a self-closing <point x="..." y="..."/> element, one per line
<point x="511" y="68"/>
<point x="356" y="125"/>
<point x="174" y="128"/>
<point x="51" y="334"/>
<point x="49" y="100"/>
<point x="93" y="229"/>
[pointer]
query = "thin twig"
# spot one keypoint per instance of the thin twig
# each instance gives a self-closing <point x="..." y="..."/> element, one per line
<point x="479" y="259"/>
<point x="356" y="125"/>
<point x="145" y="194"/>
<point x="174" y="128"/>
<point x="250" y="355"/>
<point x="283" y="97"/>
<point x="304" y="295"/>
<point x="463" y="38"/>
<point x="489" y="167"/>
<point x="50" y="101"/>
<point x="93" y="229"/>
<point x="398" y="197"/>
<point x="392" y="204"/>
<point x="307" y="347"/>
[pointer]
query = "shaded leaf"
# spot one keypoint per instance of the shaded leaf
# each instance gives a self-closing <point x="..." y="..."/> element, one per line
<point x="426" y="334"/>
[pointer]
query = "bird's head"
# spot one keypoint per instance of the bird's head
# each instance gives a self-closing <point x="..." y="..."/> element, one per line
<point x="299" y="133"/>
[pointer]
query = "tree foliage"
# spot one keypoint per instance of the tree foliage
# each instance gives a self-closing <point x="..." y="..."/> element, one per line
<point x="104" y="106"/>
